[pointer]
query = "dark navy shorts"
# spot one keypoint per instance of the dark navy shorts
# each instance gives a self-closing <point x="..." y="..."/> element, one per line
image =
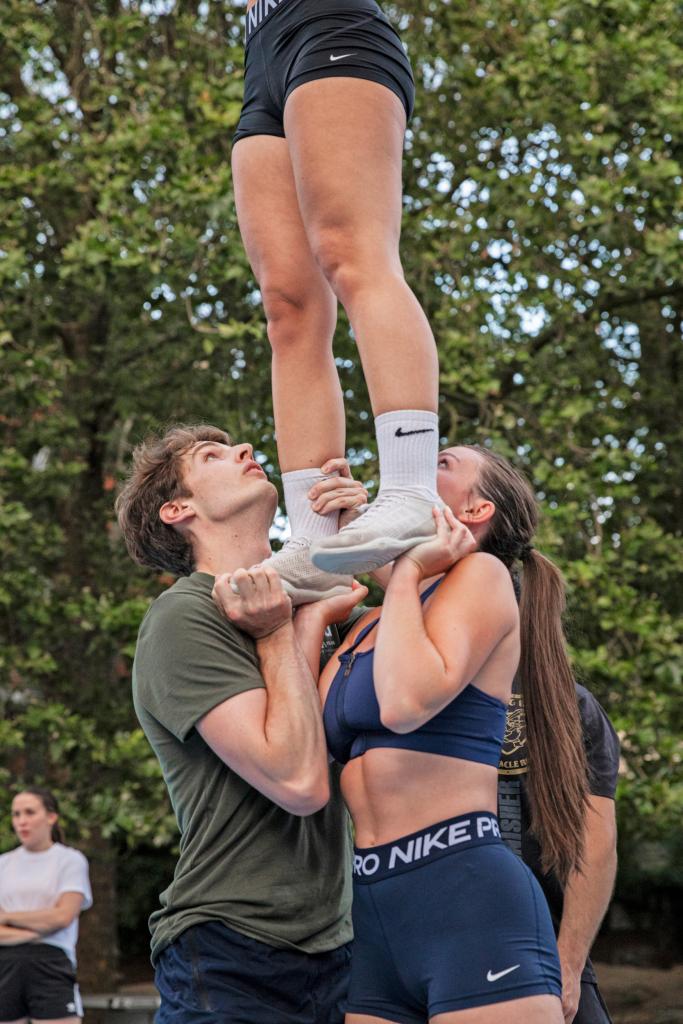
<point x="448" y="919"/>
<point x="290" y="42"/>
<point x="214" y="975"/>
<point x="37" y="980"/>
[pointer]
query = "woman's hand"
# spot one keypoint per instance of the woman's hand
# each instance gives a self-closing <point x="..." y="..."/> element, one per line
<point x="311" y="621"/>
<point x="338" y="493"/>
<point x="451" y="542"/>
<point x="332" y="609"/>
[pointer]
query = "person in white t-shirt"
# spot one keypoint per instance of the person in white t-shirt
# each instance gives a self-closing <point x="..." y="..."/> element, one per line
<point x="44" y="886"/>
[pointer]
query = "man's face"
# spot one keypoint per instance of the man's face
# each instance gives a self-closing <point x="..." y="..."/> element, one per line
<point x="225" y="479"/>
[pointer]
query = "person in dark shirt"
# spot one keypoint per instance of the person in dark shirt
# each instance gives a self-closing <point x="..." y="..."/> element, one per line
<point x="577" y="908"/>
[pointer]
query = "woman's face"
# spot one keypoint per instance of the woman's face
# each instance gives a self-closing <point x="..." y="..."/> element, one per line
<point x="456" y="480"/>
<point x="32" y="822"/>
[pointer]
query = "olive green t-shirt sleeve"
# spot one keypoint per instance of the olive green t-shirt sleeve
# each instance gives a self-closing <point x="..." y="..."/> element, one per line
<point x="189" y="659"/>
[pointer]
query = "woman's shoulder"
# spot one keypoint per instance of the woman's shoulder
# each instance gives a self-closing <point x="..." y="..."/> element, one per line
<point x="478" y="587"/>
<point x="480" y="567"/>
<point x="10" y="856"/>
<point x="69" y="855"/>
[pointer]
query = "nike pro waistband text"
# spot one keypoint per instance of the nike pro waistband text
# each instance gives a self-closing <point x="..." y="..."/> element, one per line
<point x="412" y="851"/>
<point x="258" y="14"/>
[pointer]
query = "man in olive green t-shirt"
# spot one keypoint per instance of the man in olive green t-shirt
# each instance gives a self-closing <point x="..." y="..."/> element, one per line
<point x="254" y="927"/>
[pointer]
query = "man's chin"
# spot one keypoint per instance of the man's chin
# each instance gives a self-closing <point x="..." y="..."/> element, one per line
<point x="272" y="496"/>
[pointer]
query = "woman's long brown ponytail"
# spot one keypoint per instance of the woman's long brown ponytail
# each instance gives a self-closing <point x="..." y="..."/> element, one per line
<point x="558" y="776"/>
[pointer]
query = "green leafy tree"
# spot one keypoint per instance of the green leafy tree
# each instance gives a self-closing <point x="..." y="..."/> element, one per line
<point x="542" y="234"/>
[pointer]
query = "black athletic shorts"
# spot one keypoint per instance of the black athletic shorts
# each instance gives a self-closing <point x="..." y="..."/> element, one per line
<point x="592" y="1009"/>
<point x="37" y="981"/>
<point x="289" y="42"/>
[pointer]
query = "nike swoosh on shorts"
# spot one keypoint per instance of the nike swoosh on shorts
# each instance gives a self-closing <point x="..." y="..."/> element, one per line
<point x="494" y="977"/>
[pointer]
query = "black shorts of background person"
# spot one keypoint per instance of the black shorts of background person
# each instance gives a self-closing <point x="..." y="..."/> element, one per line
<point x="37" y="981"/>
<point x="312" y="39"/>
<point x="602" y="754"/>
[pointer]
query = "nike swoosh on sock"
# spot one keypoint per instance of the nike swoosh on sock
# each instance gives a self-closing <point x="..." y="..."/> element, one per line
<point x="406" y="433"/>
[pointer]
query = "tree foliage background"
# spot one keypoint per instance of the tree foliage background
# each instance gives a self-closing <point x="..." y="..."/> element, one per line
<point x="542" y="233"/>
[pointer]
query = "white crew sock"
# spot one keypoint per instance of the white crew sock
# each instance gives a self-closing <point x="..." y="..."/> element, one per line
<point x="303" y="521"/>
<point x="408" y="445"/>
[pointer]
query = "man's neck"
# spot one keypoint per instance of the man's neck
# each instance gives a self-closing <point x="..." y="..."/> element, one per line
<point x="228" y="548"/>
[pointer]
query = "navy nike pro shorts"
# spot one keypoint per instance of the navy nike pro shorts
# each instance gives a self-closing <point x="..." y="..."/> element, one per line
<point x="447" y="919"/>
<point x="289" y="42"/>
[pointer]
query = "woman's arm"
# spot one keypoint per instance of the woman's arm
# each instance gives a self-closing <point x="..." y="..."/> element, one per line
<point x="309" y="627"/>
<point x="422" y="661"/>
<point x="16" y="936"/>
<point x="51" y="919"/>
<point x="311" y="621"/>
<point x="339" y="493"/>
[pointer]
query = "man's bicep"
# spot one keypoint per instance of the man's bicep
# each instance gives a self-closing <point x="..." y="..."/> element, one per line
<point x="601" y="824"/>
<point x="602" y="808"/>
<point x="191" y="670"/>
<point x="235" y="731"/>
<point x="602" y="746"/>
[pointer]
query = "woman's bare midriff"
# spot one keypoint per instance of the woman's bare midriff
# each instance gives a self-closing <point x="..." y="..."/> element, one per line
<point x="391" y="793"/>
<point x="250" y="4"/>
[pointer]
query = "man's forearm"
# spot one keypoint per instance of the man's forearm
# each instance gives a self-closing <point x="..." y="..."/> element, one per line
<point x="588" y="891"/>
<point x="295" y="740"/>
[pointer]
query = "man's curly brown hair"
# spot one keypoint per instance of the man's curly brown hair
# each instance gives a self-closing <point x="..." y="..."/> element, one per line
<point x="156" y="477"/>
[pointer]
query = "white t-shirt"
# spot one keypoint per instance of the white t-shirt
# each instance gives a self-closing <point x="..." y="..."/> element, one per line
<point x="35" y="881"/>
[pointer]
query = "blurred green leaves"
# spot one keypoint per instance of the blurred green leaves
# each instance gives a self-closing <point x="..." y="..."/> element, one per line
<point x="542" y="233"/>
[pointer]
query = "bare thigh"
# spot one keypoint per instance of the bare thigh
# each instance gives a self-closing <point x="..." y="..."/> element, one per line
<point x="60" y="1020"/>
<point x="269" y="217"/>
<point x="533" y="1010"/>
<point x="362" y="1018"/>
<point x="52" y="1020"/>
<point x="345" y="137"/>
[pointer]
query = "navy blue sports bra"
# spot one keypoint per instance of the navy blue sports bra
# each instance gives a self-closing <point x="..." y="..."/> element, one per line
<point x="472" y="726"/>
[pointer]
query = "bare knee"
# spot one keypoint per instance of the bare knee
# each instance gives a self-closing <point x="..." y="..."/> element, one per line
<point x="294" y="315"/>
<point x="351" y="264"/>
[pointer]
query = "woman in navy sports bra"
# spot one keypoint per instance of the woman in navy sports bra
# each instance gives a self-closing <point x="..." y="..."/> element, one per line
<point x="450" y="926"/>
<point x="317" y="170"/>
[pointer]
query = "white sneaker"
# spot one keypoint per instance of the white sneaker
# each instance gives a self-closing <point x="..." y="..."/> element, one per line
<point x="394" y="523"/>
<point x="302" y="581"/>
